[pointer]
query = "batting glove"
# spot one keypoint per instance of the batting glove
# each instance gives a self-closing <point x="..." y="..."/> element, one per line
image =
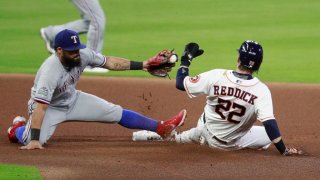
<point x="191" y="51"/>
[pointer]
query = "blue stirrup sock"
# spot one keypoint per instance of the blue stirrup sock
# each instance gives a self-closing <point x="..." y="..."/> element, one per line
<point x="19" y="133"/>
<point x="134" y="120"/>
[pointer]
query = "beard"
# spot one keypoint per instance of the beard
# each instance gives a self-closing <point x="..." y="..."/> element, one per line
<point x="70" y="63"/>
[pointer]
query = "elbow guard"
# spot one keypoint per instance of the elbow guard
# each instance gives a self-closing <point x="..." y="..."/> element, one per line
<point x="272" y="129"/>
<point x="182" y="73"/>
<point x="273" y="132"/>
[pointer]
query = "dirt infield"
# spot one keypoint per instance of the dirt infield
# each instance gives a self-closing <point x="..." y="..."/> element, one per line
<point x="105" y="151"/>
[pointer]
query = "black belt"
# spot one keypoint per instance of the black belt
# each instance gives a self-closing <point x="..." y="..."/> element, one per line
<point x="219" y="140"/>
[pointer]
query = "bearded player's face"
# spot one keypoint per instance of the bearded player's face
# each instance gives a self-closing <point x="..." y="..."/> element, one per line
<point x="71" y="58"/>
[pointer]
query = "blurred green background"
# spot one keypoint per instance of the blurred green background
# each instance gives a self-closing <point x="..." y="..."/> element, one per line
<point x="138" y="29"/>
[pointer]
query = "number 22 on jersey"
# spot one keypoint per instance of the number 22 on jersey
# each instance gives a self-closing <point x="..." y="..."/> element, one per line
<point x="233" y="108"/>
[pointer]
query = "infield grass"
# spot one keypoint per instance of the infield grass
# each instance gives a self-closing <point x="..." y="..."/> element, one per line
<point x="13" y="172"/>
<point x="137" y="29"/>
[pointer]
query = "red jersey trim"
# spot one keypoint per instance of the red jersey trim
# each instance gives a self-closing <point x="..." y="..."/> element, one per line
<point x="186" y="88"/>
<point x="42" y="101"/>
<point x="266" y="119"/>
<point x="104" y="61"/>
<point x="28" y="129"/>
<point x="226" y="72"/>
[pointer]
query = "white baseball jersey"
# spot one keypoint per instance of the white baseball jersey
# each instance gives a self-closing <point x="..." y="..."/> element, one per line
<point x="55" y="85"/>
<point x="233" y="104"/>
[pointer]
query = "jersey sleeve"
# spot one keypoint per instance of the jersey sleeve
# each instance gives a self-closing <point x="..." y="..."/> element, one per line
<point x="45" y="89"/>
<point x="264" y="107"/>
<point x="198" y="85"/>
<point x="91" y="58"/>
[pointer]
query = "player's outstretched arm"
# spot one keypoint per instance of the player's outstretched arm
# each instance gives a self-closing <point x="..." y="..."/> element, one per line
<point x="120" y="64"/>
<point x="37" y="118"/>
<point x="190" y="51"/>
<point x="273" y="132"/>
<point x="159" y="65"/>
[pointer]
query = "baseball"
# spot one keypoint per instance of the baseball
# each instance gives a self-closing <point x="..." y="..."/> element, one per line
<point x="300" y="152"/>
<point x="173" y="58"/>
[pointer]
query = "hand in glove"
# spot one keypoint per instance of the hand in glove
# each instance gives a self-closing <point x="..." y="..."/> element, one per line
<point x="191" y="51"/>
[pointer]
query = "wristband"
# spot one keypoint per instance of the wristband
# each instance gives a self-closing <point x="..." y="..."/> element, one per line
<point x="134" y="65"/>
<point x="182" y="73"/>
<point x="185" y="61"/>
<point x="35" y="134"/>
<point x="280" y="146"/>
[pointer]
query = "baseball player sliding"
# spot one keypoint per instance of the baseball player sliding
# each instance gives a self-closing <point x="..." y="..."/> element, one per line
<point x="54" y="98"/>
<point x="235" y="99"/>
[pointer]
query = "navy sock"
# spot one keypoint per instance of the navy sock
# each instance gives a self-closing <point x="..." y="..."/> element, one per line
<point x="19" y="133"/>
<point x="134" y="120"/>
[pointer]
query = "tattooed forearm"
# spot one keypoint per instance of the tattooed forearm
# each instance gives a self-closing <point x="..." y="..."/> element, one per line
<point x="117" y="64"/>
<point x="121" y="66"/>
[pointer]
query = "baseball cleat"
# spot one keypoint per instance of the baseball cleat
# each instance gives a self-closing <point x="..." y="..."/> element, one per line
<point x="49" y="44"/>
<point x="17" y="122"/>
<point x="166" y="128"/>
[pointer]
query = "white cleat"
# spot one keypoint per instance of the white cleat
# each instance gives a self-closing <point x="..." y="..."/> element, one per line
<point x="19" y="119"/>
<point x="49" y="44"/>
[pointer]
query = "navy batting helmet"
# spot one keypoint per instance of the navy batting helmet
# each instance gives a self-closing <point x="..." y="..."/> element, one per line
<point x="251" y="55"/>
